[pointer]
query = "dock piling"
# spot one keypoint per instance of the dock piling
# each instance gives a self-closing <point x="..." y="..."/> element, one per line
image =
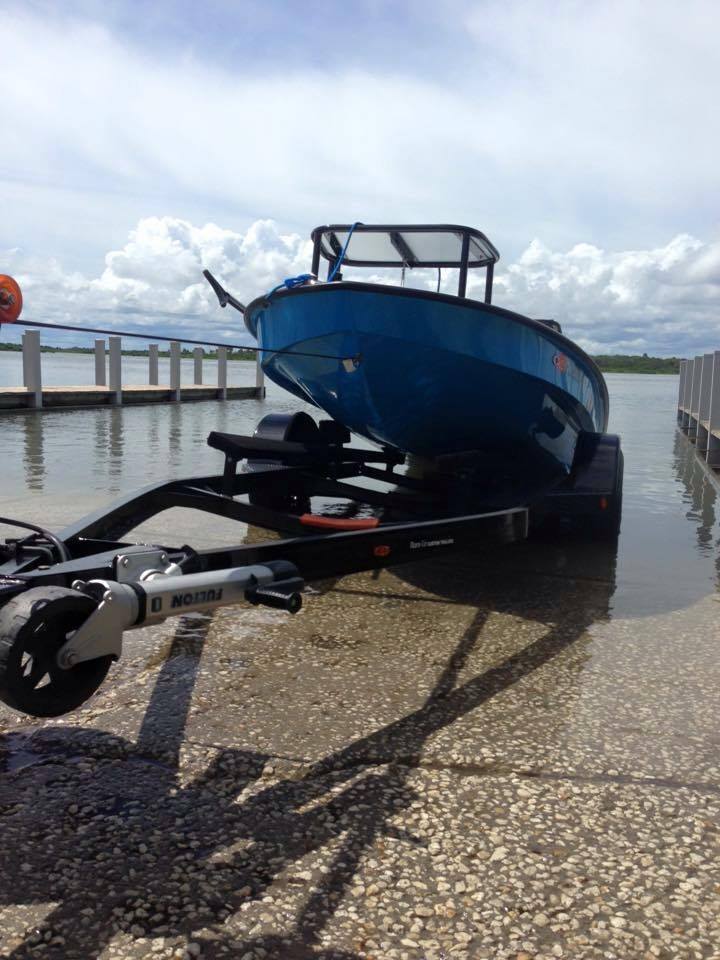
<point x="222" y="372"/>
<point x="713" y="448"/>
<point x="115" y="363"/>
<point x="699" y="405"/>
<point x="175" y="369"/>
<point x="706" y="365"/>
<point x="198" y="366"/>
<point x="687" y="389"/>
<point x="259" y="375"/>
<point x="100" y="376"/>
<point x="694" y="399"/>
<point x="31" y="366"/>
<point x="681" y="392"/>
<point x="153" y="365"/>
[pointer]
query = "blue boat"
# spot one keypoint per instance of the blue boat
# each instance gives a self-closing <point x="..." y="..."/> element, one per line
<point x="444" y="377"/>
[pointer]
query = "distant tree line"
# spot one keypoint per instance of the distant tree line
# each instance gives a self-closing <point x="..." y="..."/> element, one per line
<point x="209" y="354"/>
<point x="634" y="363"/>
<point x="608" y="362"/>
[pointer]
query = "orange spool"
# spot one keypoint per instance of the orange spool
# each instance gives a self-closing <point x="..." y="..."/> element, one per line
<point x="10" y="299"/>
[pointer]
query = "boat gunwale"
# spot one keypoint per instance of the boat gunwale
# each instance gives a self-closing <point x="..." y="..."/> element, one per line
<point x="359" y="285"/>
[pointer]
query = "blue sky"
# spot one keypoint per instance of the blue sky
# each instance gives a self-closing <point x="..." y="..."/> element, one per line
<point x="583" y="138"/>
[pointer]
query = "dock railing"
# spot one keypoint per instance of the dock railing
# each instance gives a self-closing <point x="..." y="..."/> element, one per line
<point x="110" y="387"/>
<point x="699" y="405"/>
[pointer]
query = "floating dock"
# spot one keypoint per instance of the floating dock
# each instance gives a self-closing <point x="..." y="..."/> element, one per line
<point x="109" y="389"/>
<point x="699" y="405"/>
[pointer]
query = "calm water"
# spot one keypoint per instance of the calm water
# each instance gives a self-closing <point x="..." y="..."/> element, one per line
<point x="58" y="465"/>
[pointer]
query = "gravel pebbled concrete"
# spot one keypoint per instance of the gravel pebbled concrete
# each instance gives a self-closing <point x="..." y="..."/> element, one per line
<point x="466" y="759"/>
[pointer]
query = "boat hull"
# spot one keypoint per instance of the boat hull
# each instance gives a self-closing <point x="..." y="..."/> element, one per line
<point x="434" y="376"/>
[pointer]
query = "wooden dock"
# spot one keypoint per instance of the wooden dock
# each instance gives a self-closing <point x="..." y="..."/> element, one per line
<point x="19" y="398"/>
<point x="109" y="389"/>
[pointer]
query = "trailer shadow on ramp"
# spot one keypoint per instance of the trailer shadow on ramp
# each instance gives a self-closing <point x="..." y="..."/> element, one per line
<point x="115" y="839"/>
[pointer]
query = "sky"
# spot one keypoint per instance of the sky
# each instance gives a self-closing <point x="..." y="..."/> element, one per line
<point x="144" y="142"/>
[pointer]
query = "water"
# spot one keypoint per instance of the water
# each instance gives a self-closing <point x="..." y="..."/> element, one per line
<point x="669" y="549"/>
<point x="57" y="465"/>
<point x="78" y="370"/>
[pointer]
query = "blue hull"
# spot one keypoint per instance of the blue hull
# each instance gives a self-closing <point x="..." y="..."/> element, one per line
<point x="436" y="375"/>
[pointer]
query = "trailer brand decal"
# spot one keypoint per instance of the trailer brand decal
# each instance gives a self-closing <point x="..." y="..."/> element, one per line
<point x="200" y="596"/>
<point x="416" y="544"/>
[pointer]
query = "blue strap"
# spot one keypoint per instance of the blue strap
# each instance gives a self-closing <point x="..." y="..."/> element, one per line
<point x="340" y="259"/>
<point x="301" y="278"/>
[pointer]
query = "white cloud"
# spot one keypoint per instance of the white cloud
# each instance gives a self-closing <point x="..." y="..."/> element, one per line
<point x="588" y="120"/>
<point x="661" y="300"/>
<point x="156" y="281"/>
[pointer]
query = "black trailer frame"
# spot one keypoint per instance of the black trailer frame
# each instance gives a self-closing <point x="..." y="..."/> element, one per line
<point x="66" y="598"/>
<point x="333" y="547"/>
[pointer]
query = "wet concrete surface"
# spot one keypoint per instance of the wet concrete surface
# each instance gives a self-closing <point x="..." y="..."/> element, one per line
<point x="512" y="754"/>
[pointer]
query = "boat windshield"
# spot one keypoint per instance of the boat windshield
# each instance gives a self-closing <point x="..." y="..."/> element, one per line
<point x="405" y="245"/>
<point x="385" y="245"/>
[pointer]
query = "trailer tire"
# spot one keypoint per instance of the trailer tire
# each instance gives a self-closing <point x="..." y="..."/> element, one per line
<point x="607" y="525"/>
<point x="33" y="627"/>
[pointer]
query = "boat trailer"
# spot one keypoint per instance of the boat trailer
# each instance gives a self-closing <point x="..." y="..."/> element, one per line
<point x="66" y="599"/>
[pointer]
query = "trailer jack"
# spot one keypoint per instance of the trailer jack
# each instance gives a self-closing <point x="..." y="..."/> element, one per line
<point x="56" y="644"/>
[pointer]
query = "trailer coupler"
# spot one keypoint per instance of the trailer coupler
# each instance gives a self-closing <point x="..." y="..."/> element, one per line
<point x="161" y="593"/>
<point x="57" y="644"/>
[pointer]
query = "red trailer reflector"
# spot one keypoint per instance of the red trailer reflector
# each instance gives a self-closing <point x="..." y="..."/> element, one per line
<point x="603" y="503"/>
<point x="10" y="299"/>
<point x="382" y="550"/>
<point x="339" y="523"/>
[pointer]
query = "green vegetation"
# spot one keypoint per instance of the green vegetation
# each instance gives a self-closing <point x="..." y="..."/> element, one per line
<point x="633" y="363"/>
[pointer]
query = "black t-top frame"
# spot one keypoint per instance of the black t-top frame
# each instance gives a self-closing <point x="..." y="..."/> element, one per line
<point x="475" y="249"/>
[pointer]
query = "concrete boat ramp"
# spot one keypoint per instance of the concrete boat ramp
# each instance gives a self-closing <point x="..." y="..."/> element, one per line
<point x="509" y="754"/>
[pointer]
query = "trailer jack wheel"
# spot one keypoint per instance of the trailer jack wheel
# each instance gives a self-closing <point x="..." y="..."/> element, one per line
<point x="33" y="627"/>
